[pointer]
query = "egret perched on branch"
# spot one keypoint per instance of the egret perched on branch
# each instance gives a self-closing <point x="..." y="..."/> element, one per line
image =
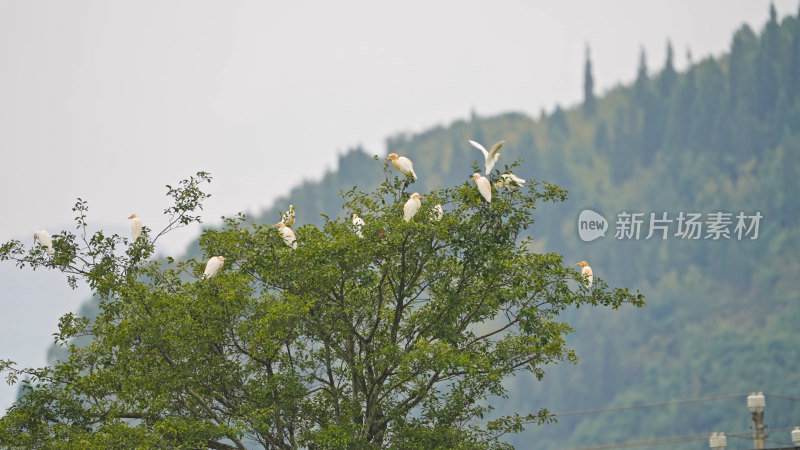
<point x="483" y="186"/>
<point x="402" y="164"/>
<point x="491" y="156"/>
<point x="412" y="206"/>
<point x="136" y="226"/>
<point x="509" y="181"/>
<point x="288" y="235"/>
<point x="438" y="212"/>
<point x="44" y="240"/>
<point x="213" y="266"/>
<point x="358" y="222"/>
<point x="288" y="217"/>
<point x="586" y="272"/>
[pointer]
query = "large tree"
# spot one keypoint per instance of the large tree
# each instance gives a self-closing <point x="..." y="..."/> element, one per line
<point x="396" y="338"/>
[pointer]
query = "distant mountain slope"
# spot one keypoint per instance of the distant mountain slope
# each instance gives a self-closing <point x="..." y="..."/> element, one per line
<point x="722" y="315"/>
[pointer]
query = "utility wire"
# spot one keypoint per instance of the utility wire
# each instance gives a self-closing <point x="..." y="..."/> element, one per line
<point x="672" y="440"/>
<point x="648" y="405"/>
<point x="672" y="402"/>
<point x="785" y="397"/>
<point x="748" y="435"/>
<point x="698" y="437"/>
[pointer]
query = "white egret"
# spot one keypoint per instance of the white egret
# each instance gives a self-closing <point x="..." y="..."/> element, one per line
<point x="483" y="186"/>
<point x="213" y="266"/>
<point x="44" y="240"/>
<point x="288" y="217"/>
<point x="288" y="235"/>
<point x="586" y="272"/>
<point x="136" y="226"/>
<point x="412" y="206"/>
<point x="491" y="156"/>
<point x="509" y="181"/>
<point x="358" y="222"/>
<point x="402" y="164"/>
<point x="438" y="212"/>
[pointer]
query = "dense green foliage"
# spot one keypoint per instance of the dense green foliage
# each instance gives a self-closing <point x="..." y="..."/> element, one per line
<point x="398" y="333"/>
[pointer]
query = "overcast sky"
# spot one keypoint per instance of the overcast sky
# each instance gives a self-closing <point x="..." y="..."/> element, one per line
<point x="111" y="100"/>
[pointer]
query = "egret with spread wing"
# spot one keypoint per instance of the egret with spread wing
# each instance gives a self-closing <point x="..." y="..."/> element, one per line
<point x="491" y="156"/>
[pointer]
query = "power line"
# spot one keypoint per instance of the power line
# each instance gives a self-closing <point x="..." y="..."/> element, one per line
<point x="671" y="402"/>
<point x="785" y="397"/>
<point x="672" y="440"/>
<point x="667" y="403"/>
<point x="747" y="434"/>
<point x="649" y="405"/>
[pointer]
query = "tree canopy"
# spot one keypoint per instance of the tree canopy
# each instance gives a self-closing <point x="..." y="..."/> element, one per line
<point x="397" y="338"/>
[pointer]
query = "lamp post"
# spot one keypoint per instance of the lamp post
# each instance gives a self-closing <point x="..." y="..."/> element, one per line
<point x="796" y="437"/>
<point x="717" y="441"/>
<point x="756" y="404"/>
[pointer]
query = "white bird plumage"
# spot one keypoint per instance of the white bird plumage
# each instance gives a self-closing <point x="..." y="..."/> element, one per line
<point x="288" y="235"/>
<point x="288" y="217"/>
<point x="136" y="226"/>
<point x="213" y="266"/>
<point x="358" y="222"/>
<point x="483" y="186"/>
<point x="509" y="181"/>
<point x="491" y="156"/>
<point x="412" y="206"/>
<point x="438" y="212"/>
<point x="586" y="271"/>
<point x="402" y="164"/>
<point x="44" y="240"/>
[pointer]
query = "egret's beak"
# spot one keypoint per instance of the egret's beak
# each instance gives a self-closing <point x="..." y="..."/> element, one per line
<point x="277" y="224"/>
<point x="577" y="264"/>
<point x="387" y="159"/>
<point x="421" y="196"/>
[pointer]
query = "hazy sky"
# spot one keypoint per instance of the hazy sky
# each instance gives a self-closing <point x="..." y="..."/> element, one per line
<point x="111" y="100"/>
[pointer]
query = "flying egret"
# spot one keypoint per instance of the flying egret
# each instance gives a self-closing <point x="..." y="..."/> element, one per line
<point x="136" y="226"/>
<point x="412" y="206"/>
<point x="438" y="212"/>
<point x="483" y="186"/>
<point x="509" y="181"/>
<point x="44" y="240"/>
<point x="402" y="164"/>
<point x="288" y="217"/>
<point x="213" y="266"/>
<point x="491" y="156"/>
<point x="586" y="272"/>
<point x="358" y="222"/>
<point x="288" y="235"/>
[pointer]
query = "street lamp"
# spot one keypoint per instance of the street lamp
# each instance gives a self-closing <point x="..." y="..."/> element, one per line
<point x="796" y="436"/>
<point x="717" y="441"/>
<point x="756" y="404"/>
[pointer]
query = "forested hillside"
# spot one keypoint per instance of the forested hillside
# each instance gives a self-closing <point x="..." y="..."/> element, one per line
<point x="722" y="314"/>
